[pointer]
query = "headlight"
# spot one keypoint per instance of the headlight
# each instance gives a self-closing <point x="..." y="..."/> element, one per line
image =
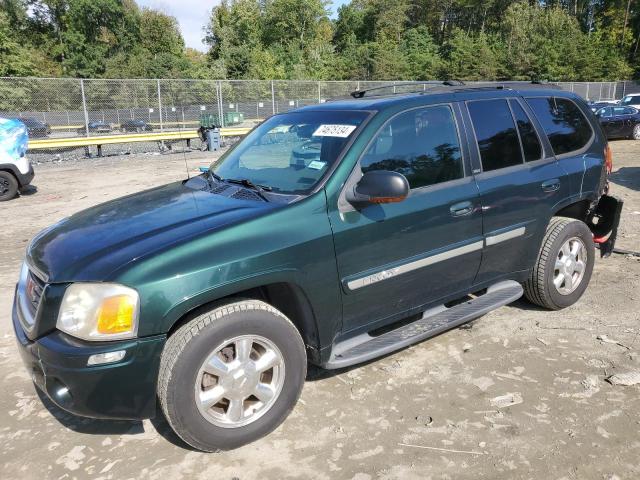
<point x="99" y="311"/>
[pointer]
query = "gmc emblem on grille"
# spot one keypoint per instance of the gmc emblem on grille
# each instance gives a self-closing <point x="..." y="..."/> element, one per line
<point x="31" y="290"/>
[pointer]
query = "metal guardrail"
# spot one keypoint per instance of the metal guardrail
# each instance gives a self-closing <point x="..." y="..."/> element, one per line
<point x="77" y="142"/>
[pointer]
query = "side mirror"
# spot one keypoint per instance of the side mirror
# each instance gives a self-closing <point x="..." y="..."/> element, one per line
<point x="379" y="186"/>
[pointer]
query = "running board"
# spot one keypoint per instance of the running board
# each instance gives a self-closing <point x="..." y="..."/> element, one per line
<point x="433" y="322"/>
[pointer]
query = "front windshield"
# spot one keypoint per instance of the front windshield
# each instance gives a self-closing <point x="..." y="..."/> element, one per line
<point x="291" y="152"/>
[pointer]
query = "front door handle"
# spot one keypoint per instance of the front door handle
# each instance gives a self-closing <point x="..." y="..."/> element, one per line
<point x="461" y="209"/>
<point x="551" y="185"/>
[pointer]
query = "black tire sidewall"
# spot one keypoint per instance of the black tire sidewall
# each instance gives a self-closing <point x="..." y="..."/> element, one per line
<point x="196" y="430"/>
<point x="13" y="186"/>
<point x="573" y="229"/>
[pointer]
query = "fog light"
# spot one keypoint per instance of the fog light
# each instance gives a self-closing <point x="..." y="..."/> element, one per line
<point x="107" y="357"/>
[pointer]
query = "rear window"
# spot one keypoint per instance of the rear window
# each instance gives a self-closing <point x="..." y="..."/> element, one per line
<point x="563" y="122"/>
<point x="530" y="142"/>
<point x="496" y="134"/>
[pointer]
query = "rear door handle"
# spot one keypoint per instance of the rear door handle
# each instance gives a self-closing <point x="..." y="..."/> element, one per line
<point x="460" y="209"/>
<point x="551" y="185"/>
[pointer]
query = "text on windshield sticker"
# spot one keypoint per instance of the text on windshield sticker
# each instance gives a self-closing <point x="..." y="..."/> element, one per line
<point x="342" y="131"/>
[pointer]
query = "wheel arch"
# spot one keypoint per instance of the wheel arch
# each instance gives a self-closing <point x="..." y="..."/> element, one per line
<point x="577" y="210"/>
<point x="286" y="296"/>
<point x="10" y="168"/>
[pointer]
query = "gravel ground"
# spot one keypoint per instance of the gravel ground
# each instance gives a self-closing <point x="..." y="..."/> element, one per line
<point x="428" y="411"/>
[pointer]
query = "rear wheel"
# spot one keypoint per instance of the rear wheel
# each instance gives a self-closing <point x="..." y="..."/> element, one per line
<point x="636" y="132"/>
<point x="8" y="186"/>
<point x="232" y="375"/>
<point x="564" y="265"/>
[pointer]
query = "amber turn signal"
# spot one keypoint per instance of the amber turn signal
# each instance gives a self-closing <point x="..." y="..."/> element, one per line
<point x="116" y="314"/>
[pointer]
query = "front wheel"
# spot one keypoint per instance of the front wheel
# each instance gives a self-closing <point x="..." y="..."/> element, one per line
<point x="8" y="186"/>
<point x="232" y="375"/>
<point x="636" y="132"/>
<point x="563" y="269"/>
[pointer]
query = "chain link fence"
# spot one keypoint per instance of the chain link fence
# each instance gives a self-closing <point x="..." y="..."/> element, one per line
<point x="91" y="107"/>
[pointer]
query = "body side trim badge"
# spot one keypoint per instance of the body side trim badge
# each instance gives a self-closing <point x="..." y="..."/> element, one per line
<point x="502" y="237"/>
<point x="411" y="266"/>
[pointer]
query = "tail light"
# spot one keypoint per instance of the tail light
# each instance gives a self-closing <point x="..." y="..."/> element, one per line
<point x="608" y="159"/>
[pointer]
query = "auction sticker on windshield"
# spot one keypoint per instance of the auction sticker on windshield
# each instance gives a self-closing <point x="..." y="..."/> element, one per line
<point x="342" y="131"/>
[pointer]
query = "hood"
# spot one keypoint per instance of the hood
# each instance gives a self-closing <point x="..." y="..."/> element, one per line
<point x="92" y="244"/>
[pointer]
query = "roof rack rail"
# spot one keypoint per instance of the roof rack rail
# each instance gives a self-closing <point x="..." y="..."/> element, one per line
<point x="453" y="83"/>
<point x="362" y="93"/>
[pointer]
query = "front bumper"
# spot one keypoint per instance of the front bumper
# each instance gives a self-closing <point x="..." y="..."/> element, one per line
<point x="122" y="390"/>
<point x="25" y="179"/>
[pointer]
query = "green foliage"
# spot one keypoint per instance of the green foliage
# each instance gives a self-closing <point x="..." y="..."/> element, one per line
<point x="299" y="39"/>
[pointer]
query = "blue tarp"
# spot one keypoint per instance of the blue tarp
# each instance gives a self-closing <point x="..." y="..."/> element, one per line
<point x="13" y="138"/>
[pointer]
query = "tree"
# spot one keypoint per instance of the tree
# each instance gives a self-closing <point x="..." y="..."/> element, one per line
<point x="468" y="57"/>
<point x="420" y="54"/>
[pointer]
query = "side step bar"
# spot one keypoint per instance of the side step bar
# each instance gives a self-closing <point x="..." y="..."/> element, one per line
<point x="433" y="322"/>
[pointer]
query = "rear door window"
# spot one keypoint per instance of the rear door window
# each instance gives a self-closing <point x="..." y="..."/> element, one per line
<point x="530" y="142"/>
<point x="563" y="122"/>
<point x="496" y="134"/>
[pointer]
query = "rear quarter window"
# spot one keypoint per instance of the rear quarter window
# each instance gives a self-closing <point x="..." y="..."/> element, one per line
<point x="563" y="122"/>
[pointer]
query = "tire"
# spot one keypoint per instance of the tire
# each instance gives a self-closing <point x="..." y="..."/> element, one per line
<point x="636" y="132"/>
<point x="182" y="381"/>
<point x="557" y="261"/>
<point x="8" y="186"/>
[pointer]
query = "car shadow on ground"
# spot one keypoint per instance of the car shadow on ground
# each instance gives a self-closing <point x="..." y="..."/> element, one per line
<point x="28" y="190"/>
<point x="315" y="373"/>
<point x="628" y="177"/>
<point x="95" y="426"/>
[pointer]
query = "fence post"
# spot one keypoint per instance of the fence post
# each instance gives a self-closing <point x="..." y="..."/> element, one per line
<point x="586" y="96"/>
<point x="273" y="98"/>
<point x="319" y="93"/>
<point x="220" y="104"/>
<point x="84" y="108"/>
<point x="160" y="105"/>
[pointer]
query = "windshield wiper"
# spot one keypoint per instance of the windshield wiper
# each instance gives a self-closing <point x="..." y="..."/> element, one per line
<point x="215" y="176"/>
<point x="245" y="182"/>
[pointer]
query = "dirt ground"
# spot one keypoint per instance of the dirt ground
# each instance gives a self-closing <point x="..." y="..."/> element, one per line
<point x="422" y="413"/>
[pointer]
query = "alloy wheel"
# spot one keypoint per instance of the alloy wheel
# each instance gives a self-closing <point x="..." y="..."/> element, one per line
<point x="570" y="266"/>
<point x="239" y="381"/>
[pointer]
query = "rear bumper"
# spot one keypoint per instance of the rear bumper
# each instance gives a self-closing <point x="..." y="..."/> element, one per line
<point x="604" y="221"/>
<point x="125" y="390"/>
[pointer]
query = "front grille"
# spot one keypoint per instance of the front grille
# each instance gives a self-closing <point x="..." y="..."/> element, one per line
<point x="33" y="292"/>
<point x="30" y="292"/>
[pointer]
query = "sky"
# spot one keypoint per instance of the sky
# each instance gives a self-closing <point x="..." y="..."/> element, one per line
<point x="193" y="15"/>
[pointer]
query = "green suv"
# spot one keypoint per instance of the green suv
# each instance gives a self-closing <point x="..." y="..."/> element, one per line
<point x="407" y="215"/>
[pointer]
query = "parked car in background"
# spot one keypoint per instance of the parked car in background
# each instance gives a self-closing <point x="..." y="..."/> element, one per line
<point x="135" y="126"/>
<point x="633" y="99"/>
<point x="620" y="122"/>
<point x="16" y="171"/>
<point x="36" y="128"/>
<point x="595" y="106"/>
<point x="415" y="214"/>
<point x="96" y="127"/>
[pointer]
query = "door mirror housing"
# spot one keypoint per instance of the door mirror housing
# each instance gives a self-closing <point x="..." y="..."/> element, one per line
<point x="379" y="186"/>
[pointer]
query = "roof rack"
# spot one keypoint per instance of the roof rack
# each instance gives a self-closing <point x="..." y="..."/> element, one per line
<point x="433" y="84"/>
